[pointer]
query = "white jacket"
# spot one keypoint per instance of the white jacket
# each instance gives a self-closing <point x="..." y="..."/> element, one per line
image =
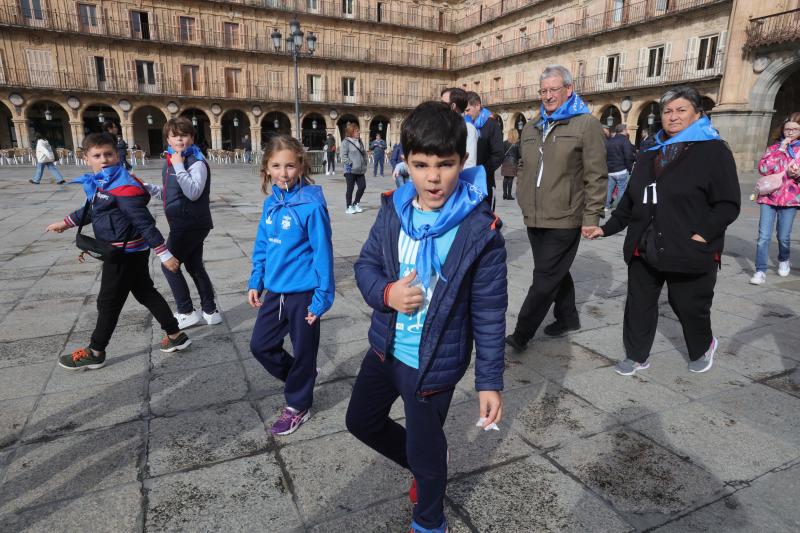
<point x="44" y="154"/>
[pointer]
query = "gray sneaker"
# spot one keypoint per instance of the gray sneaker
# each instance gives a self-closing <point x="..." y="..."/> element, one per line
<point x="704" y="363"/>
<point x="629" y="367"/>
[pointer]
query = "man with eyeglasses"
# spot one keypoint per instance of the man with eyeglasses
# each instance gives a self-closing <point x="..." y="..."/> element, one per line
<point x="561" y="188"/>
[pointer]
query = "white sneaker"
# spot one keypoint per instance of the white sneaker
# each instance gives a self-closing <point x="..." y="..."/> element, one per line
<point x="212" y="319"/>
<point x="784" y="268"/>
<point x="350" y="210"/>
<point x="758" y="278"/>
<point x="357" y="208"/>
<point x="188" y="320"/>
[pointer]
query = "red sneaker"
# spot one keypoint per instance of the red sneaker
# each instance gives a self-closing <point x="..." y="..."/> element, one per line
<point x="412" y="492"/>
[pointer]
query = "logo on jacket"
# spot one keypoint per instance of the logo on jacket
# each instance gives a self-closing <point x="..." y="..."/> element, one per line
<point x="286" y="222"/>
<point x="268" y="220"/>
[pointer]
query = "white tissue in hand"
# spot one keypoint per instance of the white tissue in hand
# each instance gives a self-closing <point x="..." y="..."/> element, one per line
<point x="482" y="421"/>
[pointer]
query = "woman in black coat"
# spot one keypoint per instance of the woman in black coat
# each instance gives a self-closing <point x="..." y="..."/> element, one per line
<point x="683" y="194"/>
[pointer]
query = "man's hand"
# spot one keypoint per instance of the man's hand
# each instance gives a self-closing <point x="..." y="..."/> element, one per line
<point x="491" y="407"/>
<point x="254" y="298"/>
<point x="176" y="158"/>
<point x="56" y="227"/>
<point x="592" y="232"/>
<point x="311" y="318"/>
<point x="403" y="298"/>
<point x="172" y="264"/>
<point x="698" y="238"/>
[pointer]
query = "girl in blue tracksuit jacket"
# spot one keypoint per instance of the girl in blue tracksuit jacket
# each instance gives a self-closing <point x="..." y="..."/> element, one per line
<point x="293" y="263"/>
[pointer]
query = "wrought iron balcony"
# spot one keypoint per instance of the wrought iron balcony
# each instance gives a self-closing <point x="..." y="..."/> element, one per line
<point x="636" y="78"/>
<point x="608" y="21"/>
<point x="780" y="28"/>
<point x="55" y="80"/>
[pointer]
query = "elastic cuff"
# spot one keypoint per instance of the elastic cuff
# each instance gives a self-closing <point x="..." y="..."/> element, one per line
<point x="386" y="293"/>
<point x="68" y="221"/>
<point x="165" y="256"/>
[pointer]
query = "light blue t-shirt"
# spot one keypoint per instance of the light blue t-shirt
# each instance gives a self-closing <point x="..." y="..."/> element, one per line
<point x="408" y="330"/>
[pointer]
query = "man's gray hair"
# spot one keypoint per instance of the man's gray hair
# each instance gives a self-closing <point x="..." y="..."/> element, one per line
<point x="682" y="91"/>
<point x="551" y="71"/>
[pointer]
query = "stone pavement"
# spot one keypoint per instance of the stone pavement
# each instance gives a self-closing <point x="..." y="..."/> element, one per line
<point x="157" y="442"/>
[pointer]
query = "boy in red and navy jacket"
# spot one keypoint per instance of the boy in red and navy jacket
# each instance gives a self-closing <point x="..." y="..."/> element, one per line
<point x="117" y="204"/>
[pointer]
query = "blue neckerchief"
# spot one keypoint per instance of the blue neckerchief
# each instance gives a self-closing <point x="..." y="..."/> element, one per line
<point x="107" y="179"/>
<point x="281" y="198"/>
<point x="464" y="199"/>
<point x="192" y="150"/>
<point x="698" y="131"/>
<point x="479" y="122"/>
<point x="791" y="147"/>
<point x="573" y="107"/>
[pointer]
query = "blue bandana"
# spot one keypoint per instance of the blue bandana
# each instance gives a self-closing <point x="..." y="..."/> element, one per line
<point x="479" y="122"/>
<point x="792" y="148"/>
<point x="573" y="107"/>
<point x="298" y="195"/>
<point x="464" y="199"/>
<point x="698" y="131"/>
<point x="107" y="179"/>
<point x="192" y="150"/>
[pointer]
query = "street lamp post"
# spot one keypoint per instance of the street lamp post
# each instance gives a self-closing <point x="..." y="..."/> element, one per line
<point x="294" y="46"/>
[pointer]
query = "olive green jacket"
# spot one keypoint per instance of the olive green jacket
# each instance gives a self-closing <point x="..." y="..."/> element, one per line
<point x="571" y="190"/>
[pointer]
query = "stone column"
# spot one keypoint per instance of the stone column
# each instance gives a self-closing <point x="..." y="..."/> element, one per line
<point x="216" y="137"/>
<point x="255" y="137"/>
<point x="127" y="132"/>
<point x="746" y="132"/>
<point x="76" y="127"/>
<point x="21" y="128"/>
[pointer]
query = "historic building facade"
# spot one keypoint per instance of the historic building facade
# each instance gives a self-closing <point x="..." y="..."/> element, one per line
<point x="65" y="65"/>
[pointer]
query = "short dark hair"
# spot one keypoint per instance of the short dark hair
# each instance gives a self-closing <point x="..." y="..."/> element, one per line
<point x="619" y="128"/>
<point x="179" y="125"/>
<point x="94" y="140"/>
<point x="432" y="128"/>
<point x="458" y="97"/>
<point x="108" y="124"/>
<point x="473" y="98"/>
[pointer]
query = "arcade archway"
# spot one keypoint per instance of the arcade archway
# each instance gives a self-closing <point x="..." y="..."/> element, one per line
<point x="202" y="127"/>
<point x="313" y="131"/>
<point x="235" y="125"/>
<point x="274" y="123"/>
<point x="8" y="137"/>
<point x="148" y="127"/>
<point x="51" y="121"/>
<point x="95" y="115"/>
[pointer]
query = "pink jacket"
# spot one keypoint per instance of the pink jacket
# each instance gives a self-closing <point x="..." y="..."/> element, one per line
<point x="774" y="161"/>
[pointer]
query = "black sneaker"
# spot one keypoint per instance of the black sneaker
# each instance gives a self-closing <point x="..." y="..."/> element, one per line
<point x="514" y="343"/>
<point x="181" y="342"/>
<point x="559" y="327"/>
<point x="62" y="182"/>
<point x="83" y="358"/>
<point x="34" y="182"/>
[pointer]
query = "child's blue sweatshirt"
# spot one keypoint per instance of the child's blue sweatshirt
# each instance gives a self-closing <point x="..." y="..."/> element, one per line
<point x="293" y="250"/>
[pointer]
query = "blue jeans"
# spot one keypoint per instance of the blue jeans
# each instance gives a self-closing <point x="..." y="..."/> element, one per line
<point x="37" y="177"/>
<point x="401" y="180"/>
<point x="766" y="223"/>
<point x="620" y="180"/>
<point x="378" y="163"/>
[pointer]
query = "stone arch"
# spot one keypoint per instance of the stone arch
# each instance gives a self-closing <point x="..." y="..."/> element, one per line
<point x="235" y="125"/>
<point x="765" y="89"/>
<point x="275" y="122"/>
<point x="379" y="124"/>
<point x="202" y="125"/>
<point x="148" y="126"/>
<point x="56" y="129"/>
<point x="95" y="113"/>
<point x="610" y="115"/>
<point x="8" y="136"/>
<point x="647" y="111"/>
<point x="517" y="119"/>
<point x="313" y="131"/>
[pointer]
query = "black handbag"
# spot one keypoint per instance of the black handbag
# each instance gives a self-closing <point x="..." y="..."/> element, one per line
<point x="102" y="250"/>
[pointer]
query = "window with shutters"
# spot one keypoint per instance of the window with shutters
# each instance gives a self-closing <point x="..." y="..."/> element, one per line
<point x="497" y="85"/>
<point x="40" y="68"/>
<point x="146" y="76"/>
<point x="233" y="81"/>
<point x="655" y="61"/>
<point x="443" y="54"/>
<point x="550" y="29"/>
<point x="275" y="79"/>
<point x="707" y="53"/>
<point x="662" y="5"/>
<point x="31" y="10"/>
<point x="612" y="68"/>
<point x="617" y="12"/>
<point x="413" y="90"/>
<point x="349" y="46"/>
<point x="413" y="52"/>
<point x="312" y="5"/>
<point x="87" y="18"/>
<point x="140" y="25"/>
<point x="190" y="75"/>
<point x="348" y="7"/>
<point x="100" y="72"/>
<point x="314" y="82"/>
<point x="186" y="26"/>
<point x="2" y="68"/>
<point x="230" y="34"/>
<point x="379" y="12"/>
<point x="349" y="89"/>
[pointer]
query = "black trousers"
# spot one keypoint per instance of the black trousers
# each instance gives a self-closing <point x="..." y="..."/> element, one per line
<point x="508" y="185"/>
<point x="352" y="180"/>
<point x="553" y="253"/>
<point x="132" y="275"/>
<point x="420" y="446"/>
<point x="330" y="161"/>
<point x="690" y="296"/>
<point x="187" y="247"/>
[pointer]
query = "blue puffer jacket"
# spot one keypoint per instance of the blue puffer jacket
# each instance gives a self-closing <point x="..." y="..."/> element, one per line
<point x="471" y="305"/>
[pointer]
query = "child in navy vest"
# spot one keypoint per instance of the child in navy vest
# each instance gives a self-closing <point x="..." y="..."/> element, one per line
<point x="293" y="263"/>
<point x="117" y="210"/>
<point x="185" y="188"/>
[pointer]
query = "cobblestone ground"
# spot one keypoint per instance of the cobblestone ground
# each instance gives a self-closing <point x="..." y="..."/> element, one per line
<point x="157" y="442"/>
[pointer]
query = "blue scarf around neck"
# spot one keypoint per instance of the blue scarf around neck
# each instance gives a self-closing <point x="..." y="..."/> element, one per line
<point x="698" y="131"/>
<point x="479" y="122"/>
<point x="192" y="150"/>
<point x="464" y="199"/>
<point x="792" y="148"/>
<point x="107" y="179"/>
<point x="573" y="107"/>
<point x="300" y="194"/>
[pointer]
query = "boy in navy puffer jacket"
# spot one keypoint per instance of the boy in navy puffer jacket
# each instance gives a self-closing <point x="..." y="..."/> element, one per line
<point x="434" y="271"/>
<point x="117" y="204"/>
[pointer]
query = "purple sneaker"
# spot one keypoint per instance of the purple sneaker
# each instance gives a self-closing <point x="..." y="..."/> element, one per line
<point x="289" y="421"/>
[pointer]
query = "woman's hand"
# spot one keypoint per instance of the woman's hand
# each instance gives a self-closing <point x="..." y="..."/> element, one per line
<point x="698" y="238"/>
<point x="592" y="232"/>
<point x="254" y="298"/>
<point x="793" y="170"/>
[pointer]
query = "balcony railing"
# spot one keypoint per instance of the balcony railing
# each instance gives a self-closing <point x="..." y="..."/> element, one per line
<point x="774" y="29"/>
<point x="612" y="20"/>
<point x="635" y="78"/>
<point x="194" y="36"/>
<point x="172" y="87"/>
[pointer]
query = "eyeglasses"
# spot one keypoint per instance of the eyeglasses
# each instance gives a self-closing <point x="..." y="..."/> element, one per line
<point x="545" y="92"/>
<point x="791" y="129"/>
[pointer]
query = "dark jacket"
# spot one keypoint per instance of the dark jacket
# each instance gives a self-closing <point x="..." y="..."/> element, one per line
<point x="119" y="215"/>
<point x="490" y="148"/>
<point x="619" y="154"/>
<point x="471" y="305"/>
<point x="397" y="153"/>
<point x="696" y="193"/>
<point x="122" y="151"/>
<point x="184" y="214"/>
